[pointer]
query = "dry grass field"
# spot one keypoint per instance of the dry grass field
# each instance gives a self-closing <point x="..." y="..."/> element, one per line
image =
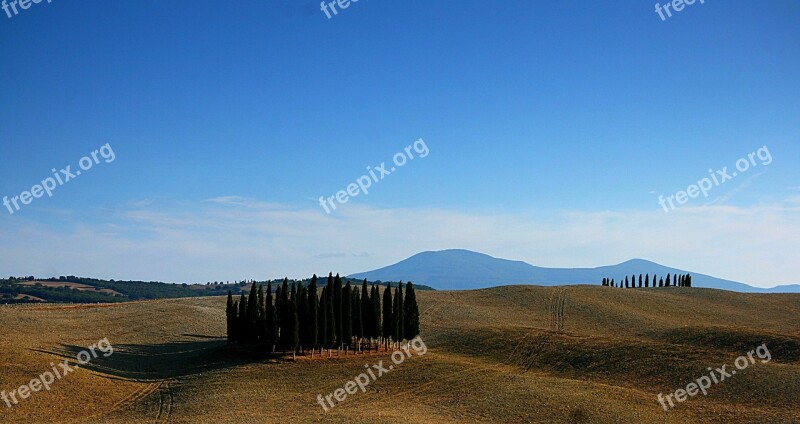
<point x="575" y="354"/>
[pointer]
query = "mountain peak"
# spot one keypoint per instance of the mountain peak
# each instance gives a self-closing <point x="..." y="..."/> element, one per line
<point x="459" y="269"/>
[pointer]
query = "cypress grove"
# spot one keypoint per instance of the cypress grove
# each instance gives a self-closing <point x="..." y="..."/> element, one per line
<point x="297" y="320"/>
<point x="673" y="280"/>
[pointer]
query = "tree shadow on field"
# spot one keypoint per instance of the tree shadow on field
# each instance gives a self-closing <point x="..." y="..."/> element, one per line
<point x="156" y="361"/>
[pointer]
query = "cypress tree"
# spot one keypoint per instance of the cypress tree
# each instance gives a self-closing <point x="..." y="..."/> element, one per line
<point x="387" y="313"/>
<point x="647" y="280"/>
<point x="241" y="330"/>
<point x="230" y="318"/>
<point x="667" y="280"/>
<point x="323" y="318"/>
<point x="337" y="310"/>
<point x="294" y="320"/>
<point x="397" y="315"/>
<point x="401" y="320"/>
<point x="688" y="280"/>
<point x="313" y="314"/>
<point x="235" y="321"/>
<point x="271" y="320"/>
<point x="290" y="322"/>
<point x="331" y="335"/>
<point x="302" y="312"/>
<point x="661" y="282"/>
<point x="358" y="326"/>
<point x="252" y="314"/>
<point x="278" y="316"/>
<point x="347" y="314"/>
<point x="640" y="280"/>
<point x="612" y="283"/>
<point x="411" y="313"/>
<point x="376" y="313"/>
<point x="366" y="311"/>
<point x="283" y="315"/>
<point x="262" y="317"/>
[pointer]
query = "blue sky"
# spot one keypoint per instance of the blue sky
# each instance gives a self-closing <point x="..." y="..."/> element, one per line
<point x="553" y="127"/>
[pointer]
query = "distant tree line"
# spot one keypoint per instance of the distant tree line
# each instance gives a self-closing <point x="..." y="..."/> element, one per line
<point x="675" y="280"/>
<point x="341" y="317"/>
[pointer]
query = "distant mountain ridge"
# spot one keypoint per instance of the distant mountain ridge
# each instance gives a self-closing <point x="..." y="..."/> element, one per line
<point x="458" y="269"/>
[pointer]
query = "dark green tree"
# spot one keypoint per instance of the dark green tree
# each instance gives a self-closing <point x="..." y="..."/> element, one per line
<point x="252" y="314"/>
<point x="323" y="319"/>
<point x="358" y="327"/>
<point x="347" y="314"/>
<point x="411" y="313"/>
<point x="230" y="318"/>
<point x="302" y="312"/>
<point x="366" y="311"/>
<point x="278" y="316"/>
<point x="262" y="317"/>
<point x="397" y="314"/>
<point x="376" y="314"/>
<point x="271" y="320"/>
<point x="241" y="330"/>
<point x="667" y="280"/>
<point x="294" y="323"/>
<point x="647" y="280"/>
<point x="331" y="335"/>
<point x="283" y="315"/>
<point x="313" y="315"/>
<point x="388" y="323"/>
<point x="337" y="310"/>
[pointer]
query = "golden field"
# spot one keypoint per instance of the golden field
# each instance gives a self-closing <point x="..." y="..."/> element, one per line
<point x="518" y="354"/>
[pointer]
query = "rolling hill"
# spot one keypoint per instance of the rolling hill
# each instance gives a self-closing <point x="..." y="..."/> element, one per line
<point x="463" y="269"/>
<point x="514" y="354"/>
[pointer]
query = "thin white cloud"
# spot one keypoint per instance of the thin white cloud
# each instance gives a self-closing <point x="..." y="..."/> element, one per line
<point x="238" y="239"/>
<point x="747" y="183"/>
